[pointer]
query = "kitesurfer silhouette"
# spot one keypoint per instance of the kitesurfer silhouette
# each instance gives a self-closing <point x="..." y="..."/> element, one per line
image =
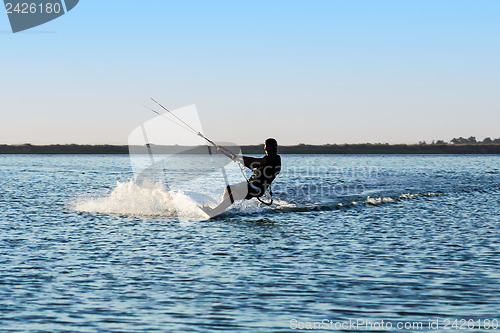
<point x="265" y="169"/>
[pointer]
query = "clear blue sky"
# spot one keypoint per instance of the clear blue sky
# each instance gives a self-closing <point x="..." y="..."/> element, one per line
<point x="301" y="71"/>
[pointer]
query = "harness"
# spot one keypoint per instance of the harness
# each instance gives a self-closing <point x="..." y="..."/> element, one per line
<point x="265" y="181"/>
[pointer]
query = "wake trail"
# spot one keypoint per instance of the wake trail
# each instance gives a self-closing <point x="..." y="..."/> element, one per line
<point x="154" y="200"/>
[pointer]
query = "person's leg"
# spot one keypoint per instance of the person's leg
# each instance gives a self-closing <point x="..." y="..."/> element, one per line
<point x="231" y="194"/>
<point x="226" y="202"/>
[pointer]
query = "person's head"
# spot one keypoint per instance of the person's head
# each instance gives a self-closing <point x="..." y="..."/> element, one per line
<point x="271" y="146"/>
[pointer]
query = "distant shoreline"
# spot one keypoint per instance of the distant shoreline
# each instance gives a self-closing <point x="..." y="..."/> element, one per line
<point x="351" y="149"/>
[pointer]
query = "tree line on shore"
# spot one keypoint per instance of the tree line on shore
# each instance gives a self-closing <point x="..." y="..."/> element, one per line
<point x="477" y="148"/>
<point x="464" y="141"/>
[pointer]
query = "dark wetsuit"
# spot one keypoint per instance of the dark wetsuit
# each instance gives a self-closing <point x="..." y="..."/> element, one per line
<point x="263" y="175"/>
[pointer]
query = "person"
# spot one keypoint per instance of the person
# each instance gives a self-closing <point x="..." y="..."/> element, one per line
<point x="265" y="170"/>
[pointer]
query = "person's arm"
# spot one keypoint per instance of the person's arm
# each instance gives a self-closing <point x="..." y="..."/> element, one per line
<point x="253" y="162"/>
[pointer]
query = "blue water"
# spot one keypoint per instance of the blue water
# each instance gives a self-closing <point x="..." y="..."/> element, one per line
<point x="371" y="238"/>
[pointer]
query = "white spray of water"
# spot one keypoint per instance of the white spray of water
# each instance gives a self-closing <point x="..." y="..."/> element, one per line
<point x="377" y="201"/>
<point x="383" y="200"/>
<point x="152" y="200"/>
